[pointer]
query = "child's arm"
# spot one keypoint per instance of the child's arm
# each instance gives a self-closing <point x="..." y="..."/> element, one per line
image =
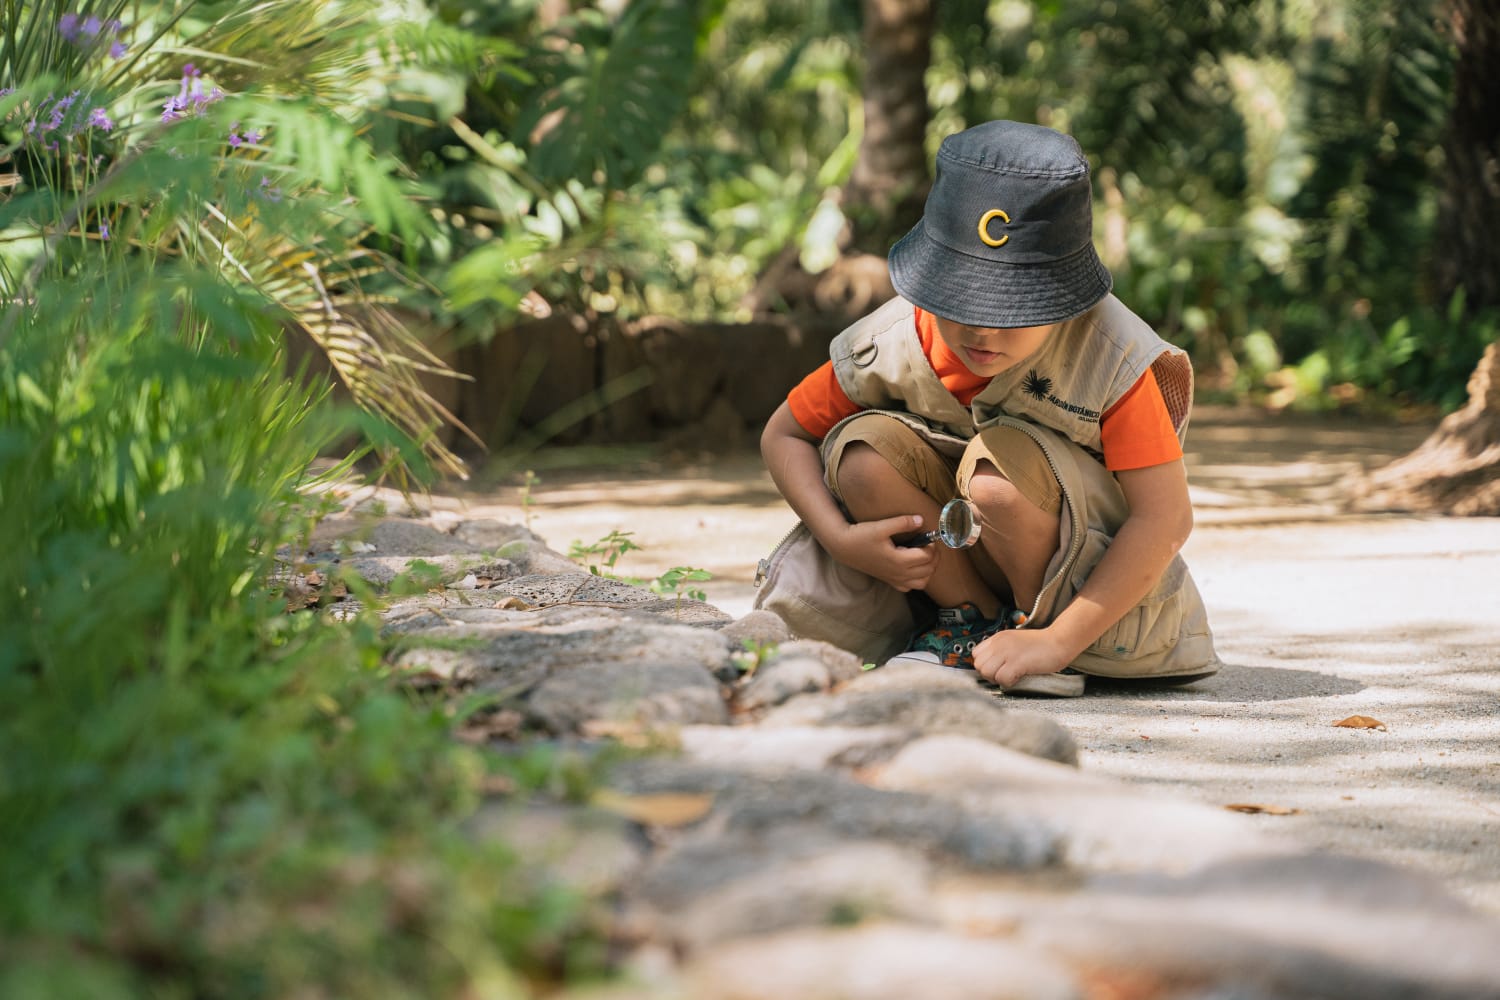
<point x="791" y="456"/>
<point x="1160" y="520"/>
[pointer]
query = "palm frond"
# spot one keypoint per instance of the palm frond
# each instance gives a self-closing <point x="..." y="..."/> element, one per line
<point x="320" y="291"/>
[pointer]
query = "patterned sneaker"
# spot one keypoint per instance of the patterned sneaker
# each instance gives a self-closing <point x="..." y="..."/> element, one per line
<point x="951" y="640"/>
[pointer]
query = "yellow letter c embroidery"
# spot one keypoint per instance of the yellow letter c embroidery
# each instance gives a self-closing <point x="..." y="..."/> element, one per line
<point x="984" y="227"/>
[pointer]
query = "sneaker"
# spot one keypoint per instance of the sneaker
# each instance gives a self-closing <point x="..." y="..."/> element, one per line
<point x="1066" y="683"/>
<point x="951" y="640"/>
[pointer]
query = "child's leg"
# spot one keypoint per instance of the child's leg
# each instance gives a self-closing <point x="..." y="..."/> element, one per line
<point x="879" y="467"/>
<point x="1006" y="475"/>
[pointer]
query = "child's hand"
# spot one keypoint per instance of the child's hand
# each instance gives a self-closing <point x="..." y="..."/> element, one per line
<point x="867" y="547"/>
<point x="1006" y="657"/>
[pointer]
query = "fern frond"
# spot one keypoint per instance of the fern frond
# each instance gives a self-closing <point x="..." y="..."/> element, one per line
<point x="609" y="92"/>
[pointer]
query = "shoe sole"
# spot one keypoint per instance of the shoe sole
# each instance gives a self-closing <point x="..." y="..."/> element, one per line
<point x="1047" y="686"/>
<point x="926" y="659"/>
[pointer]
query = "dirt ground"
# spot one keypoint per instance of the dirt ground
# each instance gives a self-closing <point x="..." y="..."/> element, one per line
<point x="1318" y="615"/>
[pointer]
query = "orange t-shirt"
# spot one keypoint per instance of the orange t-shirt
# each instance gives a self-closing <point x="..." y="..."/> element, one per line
<point x="1137" y="431"/>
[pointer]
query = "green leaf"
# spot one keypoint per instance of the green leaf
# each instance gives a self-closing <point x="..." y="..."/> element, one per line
<point x="608" y="94"/>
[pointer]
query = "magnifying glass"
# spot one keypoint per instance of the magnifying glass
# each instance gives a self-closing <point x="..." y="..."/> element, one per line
<point x="958" y="528"/>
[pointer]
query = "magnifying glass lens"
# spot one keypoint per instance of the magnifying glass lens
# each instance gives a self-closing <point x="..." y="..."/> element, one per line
<point x="958" y="526"/>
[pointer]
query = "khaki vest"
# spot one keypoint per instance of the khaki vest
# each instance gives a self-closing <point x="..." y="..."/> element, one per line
<point x="1082" y="369"/>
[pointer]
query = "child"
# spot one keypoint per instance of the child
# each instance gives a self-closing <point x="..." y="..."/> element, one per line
<point x="1006" y="373"/>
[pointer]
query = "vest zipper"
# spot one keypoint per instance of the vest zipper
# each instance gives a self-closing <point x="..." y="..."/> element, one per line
<point x="763" y="567"/>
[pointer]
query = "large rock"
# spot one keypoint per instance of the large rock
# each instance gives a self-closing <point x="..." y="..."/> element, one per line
<point x="883" y="961"/>
<point x="930" y="700"/>
<point x="761" y="802"/>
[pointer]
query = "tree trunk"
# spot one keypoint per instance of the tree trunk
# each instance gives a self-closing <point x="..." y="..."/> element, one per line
<point x="884" y="195"/>
<point x="1468" y="255"/>
<point x="1457" y="469"/>
<point x="885" y="191"/>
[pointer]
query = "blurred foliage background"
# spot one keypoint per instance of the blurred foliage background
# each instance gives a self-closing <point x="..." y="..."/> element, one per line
<point x="213" y="213"/>
<point x="1267" y="172"/>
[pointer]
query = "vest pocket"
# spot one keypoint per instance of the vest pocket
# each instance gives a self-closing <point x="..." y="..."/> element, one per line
<point x="1153" y="625"/>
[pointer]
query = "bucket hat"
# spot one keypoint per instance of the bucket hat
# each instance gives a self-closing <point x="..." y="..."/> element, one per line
<point x="1006" y="237"/>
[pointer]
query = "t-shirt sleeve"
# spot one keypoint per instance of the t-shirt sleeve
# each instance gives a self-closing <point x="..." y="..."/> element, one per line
<point x="818" y="402"/>
<point x="1137" y="431"/>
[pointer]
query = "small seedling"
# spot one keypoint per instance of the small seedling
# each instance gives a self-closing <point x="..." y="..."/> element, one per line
<point x="753" y="653"/>
<point x="527" y="500"/>
<point x="676" y="579"/>
<point x="600" y="557"/>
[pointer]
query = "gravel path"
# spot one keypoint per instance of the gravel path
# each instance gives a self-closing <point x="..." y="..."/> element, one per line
<point x="1319" y="616"/>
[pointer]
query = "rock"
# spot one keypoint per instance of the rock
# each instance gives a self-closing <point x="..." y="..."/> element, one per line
<point x="589" y="851"/>
<point x="531" y="557"/>
<point x="1302" y="928"/>
<point x="812" y="748"/>
<point x="1103" y="825"/>
<point x="799" y="667"/>
<point x="883" y="961"/>
<point x="648" y="695"/>
<point x="414" y="539"/>
<point x="545" y="590"/>
<point x="382" y="571"/>
<point x="757" y="628"/>
<point x="760" y="803"/>
<point x="930" y="700"/>
<point x="566" y="667"/>
<point x="488" y="535"/>
<point x="707" y="891"/>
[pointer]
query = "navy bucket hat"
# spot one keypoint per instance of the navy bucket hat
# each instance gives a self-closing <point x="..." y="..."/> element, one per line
<point x="1006" y="238"/>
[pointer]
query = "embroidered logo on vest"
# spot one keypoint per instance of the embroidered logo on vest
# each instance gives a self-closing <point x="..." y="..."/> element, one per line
<point x="1040" y="387"/>
<point x="1036" y="386"/>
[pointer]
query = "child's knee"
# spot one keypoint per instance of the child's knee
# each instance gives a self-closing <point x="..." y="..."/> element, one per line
<point x="992" y="493"/>
<point x="860" y="468"/>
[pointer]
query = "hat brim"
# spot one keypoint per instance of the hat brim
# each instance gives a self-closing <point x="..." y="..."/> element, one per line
<point x="984" y="293"/>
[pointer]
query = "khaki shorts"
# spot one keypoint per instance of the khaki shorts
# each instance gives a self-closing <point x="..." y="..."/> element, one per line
<point x="1013" y="452"/>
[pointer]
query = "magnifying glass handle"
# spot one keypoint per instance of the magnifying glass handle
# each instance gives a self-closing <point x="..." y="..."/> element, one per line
<point x="917" y="541"/>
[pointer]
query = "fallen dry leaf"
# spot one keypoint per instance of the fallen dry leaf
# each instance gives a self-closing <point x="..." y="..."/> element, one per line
<point x="513" y="604"/>
<point x="1256" y="807"/>
<point x="664" y="809"/>
<point x="1361" y="722"/>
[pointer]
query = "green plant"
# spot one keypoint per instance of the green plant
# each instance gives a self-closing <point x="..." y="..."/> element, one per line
<point x="753" y="653"/>
<point x="199" y="794"/>
<point x="528" y="484"/>
<point x="676" y="580"/>
<point x="600" y="556"/>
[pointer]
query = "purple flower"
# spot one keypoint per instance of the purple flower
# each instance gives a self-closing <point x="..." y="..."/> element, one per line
<point x="171" y="111"/>
<point x="253" y="136"/>
<point x="118" y="50"/>
<point x="104" y="229"/>
<point x="99" y="119"/>
<point x="67" y="26"/>
<point x="235" y="140"/>
<point x="268" y="192"/>
<point x="92" y="26"/>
